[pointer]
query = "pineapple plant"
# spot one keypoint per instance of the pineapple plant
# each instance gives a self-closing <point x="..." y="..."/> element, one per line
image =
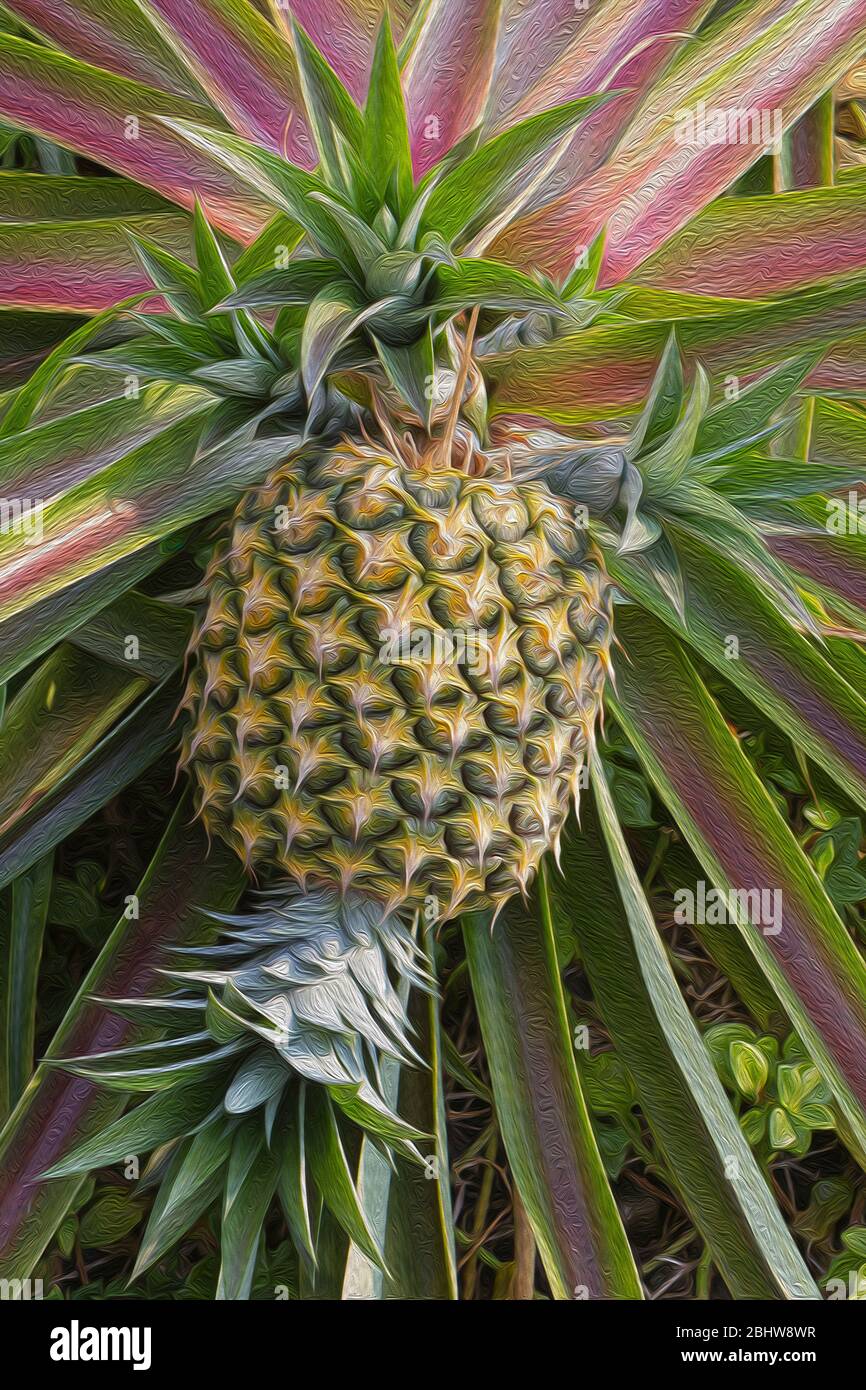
<point x="385" y="465"/>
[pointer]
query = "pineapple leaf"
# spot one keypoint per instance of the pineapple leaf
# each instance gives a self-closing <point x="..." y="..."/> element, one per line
<point x="260" y="1076"/>
<point x="664" y="466"/>
<point x="370" y="1115"/>
<point x="30" y="396"/>
<point x="483" y="183"/>
<point x="178" y="282"/>
<point x="329" y="1169"/>
<point x="664" y="402"/>
<point x="250" y="1186"/>
<point x="742" y="842"/>
<point x="677" y="1086"/>
<point x="491" y="285"/>
<point x="330" y="108"/>
<point x="207" y="1151"/>
<point x="540" y="1106"/>
<point x="386" y="129"/>
<point x="412" y="370"/>
<point x="24" y="933"/>
<point x="297" y="284"/>
<point x="243" y="376"/>
<point x="284" y="185"/>
<point x="776" y="667"/>
<point x="334" y="315"/>
<point x="172" y="1216"/>
<point x="581" y="281"/>
<point x="155" y="1121"/>
<point x="215" y="279"/>
<point x="753" y="409"/>
<point x="159" y="1078"/>
<point x="365" y="244"/>
<point x="290" y="1145"/>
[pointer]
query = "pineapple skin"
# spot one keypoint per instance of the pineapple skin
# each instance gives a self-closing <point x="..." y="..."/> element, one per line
<point x="395" y="682"/>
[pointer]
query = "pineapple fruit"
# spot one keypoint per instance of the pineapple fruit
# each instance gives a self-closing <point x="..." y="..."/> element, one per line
<point x="396" y="678"/>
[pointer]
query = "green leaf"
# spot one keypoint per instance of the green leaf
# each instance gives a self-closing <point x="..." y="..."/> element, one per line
<point x="540" y="1108"/>
<point x="412" y="370"/>
<point x="244" y="1210"/>
<point x="57" y="1113"/>
<point x="120" y="757"/>
<point x="662" y="409"/>
<point x="38" y="749"/>
<point x="491" y="285"/>
<point x="777" y="668"/>
<point x="29" y="396"/>
<point x="145" y="496"/>
<point x="214" y="277"/>
<point x="282" y="184"/>
<point x="21" y="946"/>
<point x="109" y="1219"/>
<point x="480" y="185"/>
<point x="179" y="284"/>
<point x="420" y="1216"/>
<point x="297" y="283"/>
<point x="386" y="129"/>
<point x="290" y="1145"/>
<point x="754" y="407"/>
<point x="185" y="1193"/>
<point x="330" y="109"/>
<point x="734" y="829"/>
<point x="261" y="1075"/>
<point x="334" y="315"/>
<point x="749" y="1068"/>
<point x="664" y="466"/>
<point x="654" y="1034"/>
<point x="156" y="1120"/>
<point x="332" y="1176"/>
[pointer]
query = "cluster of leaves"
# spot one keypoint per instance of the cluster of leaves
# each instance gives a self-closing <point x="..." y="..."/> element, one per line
<point x="786" y="1101"/>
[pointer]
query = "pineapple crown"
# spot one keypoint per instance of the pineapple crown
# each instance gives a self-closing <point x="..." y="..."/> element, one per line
<point x="365" y="270"/>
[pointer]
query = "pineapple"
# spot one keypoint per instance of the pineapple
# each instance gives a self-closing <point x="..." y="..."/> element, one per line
<point x="394" y="687"/>
<point x="396" y="678"/>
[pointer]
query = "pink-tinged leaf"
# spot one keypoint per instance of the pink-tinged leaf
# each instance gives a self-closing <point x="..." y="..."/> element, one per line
<point x="743" y="843"/>
<point x="158" y="488"/>
<point x="533" y="35"/>
<point x="842" y="371"/>
<point x="780" y="671"/>
<point x="764" y="245"/>
<point x="111" y="34"/>
<point x="620" y="44"/>
<point x="53" y="456"/>
<point x="447" y="76"/>
<point x="668" y="166"/>
<point x="540" y="1106"/>
<point x="185" y="880"/>
<point x="83" y="266"/>
<point x="834" y="566"/>
<point x="344" y="31"/>
<point x="114" y="122"/>
<point x="246" y="67"/>
<point x="607" y="371"/>
<point x="26" y="197"/>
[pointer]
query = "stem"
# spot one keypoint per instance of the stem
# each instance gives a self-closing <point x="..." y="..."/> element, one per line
<point x="443" y="453"/>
